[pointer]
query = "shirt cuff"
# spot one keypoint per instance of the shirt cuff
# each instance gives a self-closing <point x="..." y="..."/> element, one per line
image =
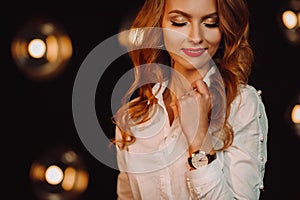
<point x="205" y="174"/>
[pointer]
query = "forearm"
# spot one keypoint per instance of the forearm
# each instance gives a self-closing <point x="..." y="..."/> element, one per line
<point x="203" y="143"/>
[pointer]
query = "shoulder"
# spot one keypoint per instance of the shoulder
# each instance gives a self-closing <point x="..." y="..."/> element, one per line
<point x="248" y="103"/>
<point x="247" y="114"/>
<point x="247" y="94"/>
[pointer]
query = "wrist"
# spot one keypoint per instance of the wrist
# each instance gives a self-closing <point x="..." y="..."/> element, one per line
<point x="196" y="148"/>
<point x="205" y="145"/>
<point x="200" y="159"/>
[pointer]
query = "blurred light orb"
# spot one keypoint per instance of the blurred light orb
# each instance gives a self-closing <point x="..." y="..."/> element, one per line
<point x="296" y="114"/>
<point x="289" y="19"/>
<point x="59" y="174"/>
<point x="37" y="48"/>
<point x="54" y="175"/>
<point x="41" y="49"/>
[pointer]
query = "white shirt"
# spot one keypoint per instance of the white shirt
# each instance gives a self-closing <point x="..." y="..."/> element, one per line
<point x="155" y="166"/>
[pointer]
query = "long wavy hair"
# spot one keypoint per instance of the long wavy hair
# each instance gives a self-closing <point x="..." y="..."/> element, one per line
<point x="234" y="59"/>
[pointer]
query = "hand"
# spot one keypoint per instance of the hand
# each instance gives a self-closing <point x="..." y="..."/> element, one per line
<point x="194" y="108"/>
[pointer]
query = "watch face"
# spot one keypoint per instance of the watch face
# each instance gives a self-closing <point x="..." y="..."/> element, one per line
<point x="199" y="160"/>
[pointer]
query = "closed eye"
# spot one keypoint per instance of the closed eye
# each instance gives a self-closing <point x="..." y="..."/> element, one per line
<point x="214" y="25"/>
<point x="178" y="24"/>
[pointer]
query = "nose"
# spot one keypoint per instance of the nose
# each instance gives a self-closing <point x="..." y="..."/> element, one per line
<point x="195" y="34"/>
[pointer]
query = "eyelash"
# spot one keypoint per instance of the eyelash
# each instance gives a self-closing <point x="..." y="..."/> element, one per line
<point x="178" y="24"/>
<point x="214" y="25"/>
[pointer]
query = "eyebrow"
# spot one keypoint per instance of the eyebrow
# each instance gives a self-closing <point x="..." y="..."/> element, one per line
<point x="215" y="14"/>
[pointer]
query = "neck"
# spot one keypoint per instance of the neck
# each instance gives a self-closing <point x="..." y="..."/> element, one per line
<point x="182" y="78"/>
<point x="192" y="74"/>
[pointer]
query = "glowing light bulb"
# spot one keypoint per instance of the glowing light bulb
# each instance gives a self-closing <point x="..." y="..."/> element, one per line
<point x="54" y="175"/>
<point x="36" y="48"/>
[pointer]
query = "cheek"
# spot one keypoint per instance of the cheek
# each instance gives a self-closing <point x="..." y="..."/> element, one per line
<point x="214" y="38"/>
<point x="169" y="40"/>
<point x="172" y="39"/>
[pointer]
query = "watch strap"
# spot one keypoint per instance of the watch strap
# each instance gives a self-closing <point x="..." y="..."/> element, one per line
<point x="211" y="157"/>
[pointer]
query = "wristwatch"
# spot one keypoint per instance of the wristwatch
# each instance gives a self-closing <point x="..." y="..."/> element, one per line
<point x="200" y="158"/>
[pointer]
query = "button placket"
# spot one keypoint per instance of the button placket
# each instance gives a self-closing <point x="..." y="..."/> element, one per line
<point x="193" y="189"/>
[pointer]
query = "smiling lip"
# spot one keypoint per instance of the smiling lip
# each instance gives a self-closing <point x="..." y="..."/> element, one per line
<point x="193" y="52"/>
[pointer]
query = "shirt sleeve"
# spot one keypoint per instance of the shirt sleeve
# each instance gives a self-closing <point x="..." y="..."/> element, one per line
<point x="238" y="171"/>
<point x="124" y="191"/>
<point x="123" y="187"/>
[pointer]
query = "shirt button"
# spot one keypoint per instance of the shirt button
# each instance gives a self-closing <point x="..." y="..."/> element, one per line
<point x="259" y="92"/>
<point x="261" y="187"/>
<point x="261" y="158"/>
<point x="261" y="138"/>
<point x="259" y="115"/>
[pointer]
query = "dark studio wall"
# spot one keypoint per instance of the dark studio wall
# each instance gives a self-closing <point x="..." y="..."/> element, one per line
<point x="38" y="115"/>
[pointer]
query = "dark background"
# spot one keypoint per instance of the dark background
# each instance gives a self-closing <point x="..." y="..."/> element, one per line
<point x="38" y="115"/>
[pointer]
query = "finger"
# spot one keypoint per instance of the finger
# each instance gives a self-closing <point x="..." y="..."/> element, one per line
<point x="200" y="86"/>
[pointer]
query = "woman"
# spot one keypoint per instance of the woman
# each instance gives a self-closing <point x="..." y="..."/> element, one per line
<point x="178" y="138"/>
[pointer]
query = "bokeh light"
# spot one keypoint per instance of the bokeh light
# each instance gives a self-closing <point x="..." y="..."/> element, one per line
<point x="59" y="174"/>
<point x="41" y="49"/>
<point x="37" y="48"/>
<point x="54" y="175"/>
<point x="295" y="115"/>
<point x="289" y="19"/>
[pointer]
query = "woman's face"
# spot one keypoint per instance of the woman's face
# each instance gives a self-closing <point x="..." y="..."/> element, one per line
<point x="191" y="32"/>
